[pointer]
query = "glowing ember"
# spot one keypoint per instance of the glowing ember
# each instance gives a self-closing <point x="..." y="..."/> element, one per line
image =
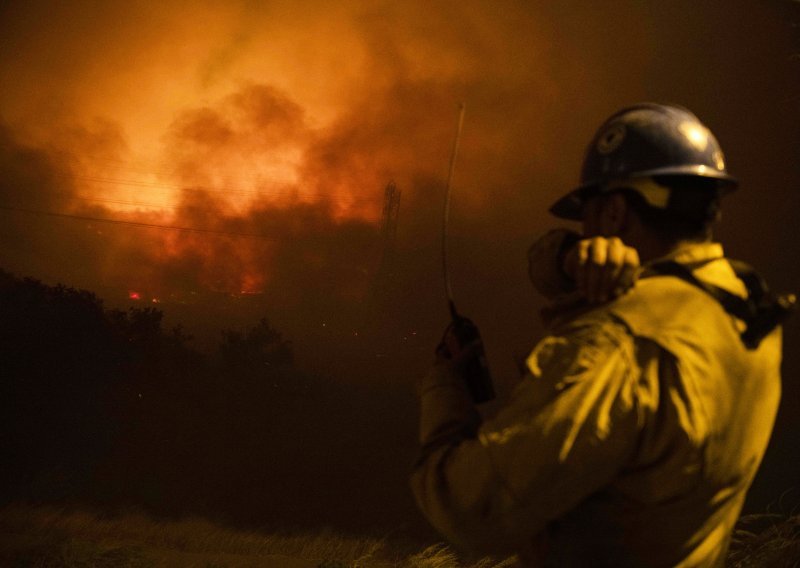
<point x="134" y="295"/>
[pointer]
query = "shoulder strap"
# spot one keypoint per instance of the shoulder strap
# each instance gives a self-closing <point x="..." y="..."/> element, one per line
<point x="761" y="311"/>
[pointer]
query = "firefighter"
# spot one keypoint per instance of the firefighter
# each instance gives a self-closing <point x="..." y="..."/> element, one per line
<point x="643" y="415"/>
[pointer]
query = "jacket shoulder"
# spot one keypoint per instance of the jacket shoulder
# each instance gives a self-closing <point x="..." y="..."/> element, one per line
<point x="667" y="307"/>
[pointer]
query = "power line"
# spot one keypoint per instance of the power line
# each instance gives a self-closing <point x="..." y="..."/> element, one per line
<point x="137" y="223"/>
<point x="351" y="199"/>
<point x="149" y="205"/>
<point x="255" y="179"/>
<point x="143" y="166"/>
<point x="181" y="204"/>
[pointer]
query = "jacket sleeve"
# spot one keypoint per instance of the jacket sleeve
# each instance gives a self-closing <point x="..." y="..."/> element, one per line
<point x="570" y="426"/>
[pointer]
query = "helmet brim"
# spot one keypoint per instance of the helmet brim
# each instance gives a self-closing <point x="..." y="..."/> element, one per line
<point x="570" y="206"/>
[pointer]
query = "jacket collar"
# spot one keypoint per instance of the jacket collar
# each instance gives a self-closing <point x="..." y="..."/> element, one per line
<point x="707" y="262"/>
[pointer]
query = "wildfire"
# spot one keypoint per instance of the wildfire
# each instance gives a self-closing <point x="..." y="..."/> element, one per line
<point x="224" y="187"/>
<point x="239" y="144"/>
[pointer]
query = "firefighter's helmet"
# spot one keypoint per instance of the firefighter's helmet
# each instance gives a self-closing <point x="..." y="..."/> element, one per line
<point x="642" y="142"/>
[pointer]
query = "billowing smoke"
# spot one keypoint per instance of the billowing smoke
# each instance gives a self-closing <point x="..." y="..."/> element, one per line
<point x="244" y="148"/>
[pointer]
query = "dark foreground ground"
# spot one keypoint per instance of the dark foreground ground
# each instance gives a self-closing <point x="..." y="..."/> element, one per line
<point x="49" y="538"/>
<point x="237" y="455"/>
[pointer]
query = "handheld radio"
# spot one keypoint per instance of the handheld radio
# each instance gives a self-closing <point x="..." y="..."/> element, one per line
<point x="475" y="368"/>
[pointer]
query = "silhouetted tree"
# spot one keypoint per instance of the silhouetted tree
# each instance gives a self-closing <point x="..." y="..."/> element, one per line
<point x="260" y="346"/>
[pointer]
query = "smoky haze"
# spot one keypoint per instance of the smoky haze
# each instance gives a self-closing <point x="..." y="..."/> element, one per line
<point x="271" y="130"/>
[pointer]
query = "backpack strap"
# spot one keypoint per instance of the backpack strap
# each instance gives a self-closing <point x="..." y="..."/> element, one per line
<point x="762" y="311"/>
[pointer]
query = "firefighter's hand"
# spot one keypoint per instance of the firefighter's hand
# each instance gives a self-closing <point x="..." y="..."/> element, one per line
<point x="455" y="350"/>
<point x="603" y="268"/>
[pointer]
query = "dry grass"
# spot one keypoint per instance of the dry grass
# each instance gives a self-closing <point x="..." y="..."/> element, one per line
<point x="49" y="538"/>
<point x="440" y="556"/>
<point x="767" y="540"/>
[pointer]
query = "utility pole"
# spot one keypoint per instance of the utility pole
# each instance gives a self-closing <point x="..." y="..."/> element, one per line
<point x="382" y="284"/>
<point x="391" y="209"/>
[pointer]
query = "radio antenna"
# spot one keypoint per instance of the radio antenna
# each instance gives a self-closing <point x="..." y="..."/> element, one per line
<point x="446" y="220"/>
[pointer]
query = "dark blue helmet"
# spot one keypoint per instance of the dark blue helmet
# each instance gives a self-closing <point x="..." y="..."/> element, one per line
<point x="644" y="141"/>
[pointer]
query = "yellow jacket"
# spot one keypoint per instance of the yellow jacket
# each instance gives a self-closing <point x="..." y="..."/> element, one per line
<point x="631" y="440"/>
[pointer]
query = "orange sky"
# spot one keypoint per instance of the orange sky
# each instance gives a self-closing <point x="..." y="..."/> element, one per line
<point x="227" y="116"/>
<point x="150" y="110"/>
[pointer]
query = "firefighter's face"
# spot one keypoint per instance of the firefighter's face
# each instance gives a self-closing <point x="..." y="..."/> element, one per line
<point x="591" y="216"/>
<point x="604" y="215"/>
